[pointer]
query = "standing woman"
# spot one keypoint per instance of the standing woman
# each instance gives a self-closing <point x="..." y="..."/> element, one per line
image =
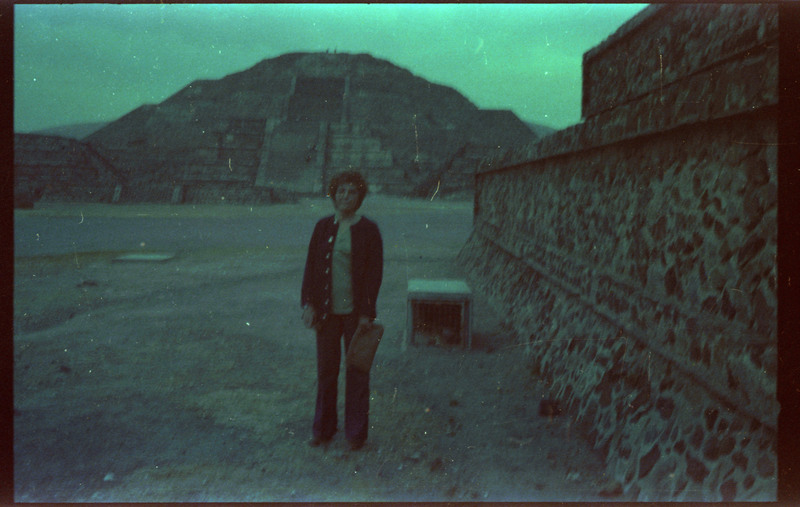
<point x="342" y="277"/>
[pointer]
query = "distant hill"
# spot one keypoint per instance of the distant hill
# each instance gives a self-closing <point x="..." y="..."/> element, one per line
<point x="78" y="131"/>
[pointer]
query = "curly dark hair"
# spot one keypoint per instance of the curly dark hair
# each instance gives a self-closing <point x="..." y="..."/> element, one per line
<point x="354" y="178"/>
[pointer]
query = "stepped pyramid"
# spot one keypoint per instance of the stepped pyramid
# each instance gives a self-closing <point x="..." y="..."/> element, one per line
<point x="288" y="123"/>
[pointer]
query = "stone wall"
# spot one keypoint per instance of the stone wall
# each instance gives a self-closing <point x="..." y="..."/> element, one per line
<point x="55" y="168"/>
<point x="635" y="253"/>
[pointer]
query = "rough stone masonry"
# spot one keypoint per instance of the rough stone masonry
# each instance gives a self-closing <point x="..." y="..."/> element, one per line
<point x="635" y="252"/>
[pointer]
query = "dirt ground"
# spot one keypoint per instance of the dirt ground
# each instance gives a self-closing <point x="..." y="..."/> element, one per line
<point x="193" y="379"/>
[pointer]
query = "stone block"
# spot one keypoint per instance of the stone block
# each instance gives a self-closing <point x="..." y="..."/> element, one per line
<point x="648" y="461"/>
<point x="740" y="460"/>
<point x="766" y="467"/>
<point x="697" y="436"/>
<point x="696" y="469"/>
<point x="665" y="407"/>
<point x="728" y="490"/>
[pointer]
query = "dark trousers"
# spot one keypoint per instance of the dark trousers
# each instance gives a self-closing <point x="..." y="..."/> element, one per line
<point x="329" y="357"/>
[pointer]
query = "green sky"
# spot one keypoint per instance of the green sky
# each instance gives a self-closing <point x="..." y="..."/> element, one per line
<point x="96" y="62"/>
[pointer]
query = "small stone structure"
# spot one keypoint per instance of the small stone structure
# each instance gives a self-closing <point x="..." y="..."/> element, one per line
<point x="440" y="311"/>
<point x="57" y="168"/>
<point x="635" y="253"/>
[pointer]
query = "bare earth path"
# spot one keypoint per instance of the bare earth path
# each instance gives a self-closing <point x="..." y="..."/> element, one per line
<point x="193" y="379"/>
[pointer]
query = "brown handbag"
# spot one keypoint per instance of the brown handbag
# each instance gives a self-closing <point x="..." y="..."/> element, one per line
<point x="363" y="345"/>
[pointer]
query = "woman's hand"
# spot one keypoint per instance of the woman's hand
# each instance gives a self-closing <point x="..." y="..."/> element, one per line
<point x="309" y="316"/>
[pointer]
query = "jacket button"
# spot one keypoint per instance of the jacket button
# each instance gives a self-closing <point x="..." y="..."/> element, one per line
<point x="330" y="240"/>
<point x="327" y="270"/>
<point x="327" y="256"/>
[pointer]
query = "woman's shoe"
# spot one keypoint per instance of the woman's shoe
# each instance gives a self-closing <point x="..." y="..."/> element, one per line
<point x="318" y="441"/>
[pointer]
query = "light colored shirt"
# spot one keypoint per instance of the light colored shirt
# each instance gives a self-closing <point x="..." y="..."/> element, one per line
<point x="341" y="274"/>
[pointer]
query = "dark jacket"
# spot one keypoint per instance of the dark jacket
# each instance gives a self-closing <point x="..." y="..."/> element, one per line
<point x="366" y="268"/>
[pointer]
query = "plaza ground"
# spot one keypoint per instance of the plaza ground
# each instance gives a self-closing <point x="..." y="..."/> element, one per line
<point x="193" y="379"/>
